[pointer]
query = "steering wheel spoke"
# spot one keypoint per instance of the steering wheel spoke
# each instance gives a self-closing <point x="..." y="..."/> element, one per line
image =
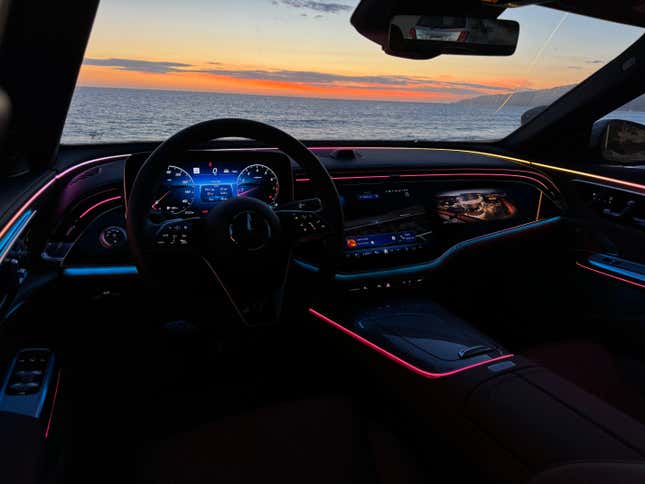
<point x="257" y="299"/>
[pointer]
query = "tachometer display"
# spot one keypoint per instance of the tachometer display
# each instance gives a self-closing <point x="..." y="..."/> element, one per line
<point x="260" y="182"/>
<point x="177" y="192"/>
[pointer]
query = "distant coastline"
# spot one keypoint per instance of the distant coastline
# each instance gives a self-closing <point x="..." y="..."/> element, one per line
<point x="525" y="99"/>
<point x="538" y="97"/>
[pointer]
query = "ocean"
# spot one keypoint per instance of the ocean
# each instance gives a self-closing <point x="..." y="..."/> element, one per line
<point x="113" y="114"/>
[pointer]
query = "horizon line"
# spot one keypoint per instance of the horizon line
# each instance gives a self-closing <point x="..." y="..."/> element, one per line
<point x="306" y="97"/>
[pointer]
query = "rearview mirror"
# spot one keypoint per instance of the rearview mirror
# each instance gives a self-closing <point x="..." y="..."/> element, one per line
<point x="623" y="142"/>
<point x="424" y="37"/>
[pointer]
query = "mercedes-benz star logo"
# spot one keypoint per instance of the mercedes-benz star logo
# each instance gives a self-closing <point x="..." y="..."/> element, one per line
<point x="250" y="230"/>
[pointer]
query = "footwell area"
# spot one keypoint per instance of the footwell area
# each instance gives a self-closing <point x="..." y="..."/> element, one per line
<point x="182" y="406"/>
<point x="316" y="441"/>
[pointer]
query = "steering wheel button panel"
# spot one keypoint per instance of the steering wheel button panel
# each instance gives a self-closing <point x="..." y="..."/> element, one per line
<point x="306" y="223"/>
<point x="174" y="234"/>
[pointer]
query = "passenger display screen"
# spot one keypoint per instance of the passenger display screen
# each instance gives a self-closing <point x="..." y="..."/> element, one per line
<point x="478" y="205"/>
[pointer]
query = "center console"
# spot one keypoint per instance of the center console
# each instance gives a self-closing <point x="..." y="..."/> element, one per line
<point x="513" y="418"/>
<point x="424" y="336"/>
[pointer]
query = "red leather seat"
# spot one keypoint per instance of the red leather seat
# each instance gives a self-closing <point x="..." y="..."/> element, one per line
<point x="312" y="441"/>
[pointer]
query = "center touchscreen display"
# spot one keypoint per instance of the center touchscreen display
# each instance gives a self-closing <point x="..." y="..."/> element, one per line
<point x="384" y="221"/>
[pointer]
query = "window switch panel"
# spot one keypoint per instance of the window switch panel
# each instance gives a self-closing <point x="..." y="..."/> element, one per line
<point x="25" y="387"/>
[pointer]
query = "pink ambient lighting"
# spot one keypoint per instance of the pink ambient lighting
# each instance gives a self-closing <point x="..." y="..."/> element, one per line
<point x="98" y="204"/>
<point x="503" y="175"/>
<point x="433" y="175"/>
<point x="398" y="360"/>
<point x="535" y="173"/>
<point x="51" y="182"/>
<point x="520" y="161"/>
<point x="513" y="159"/>
<point x="51" y="411"/>
<point x="360" y="177"/>
<point x="606" y="274"/>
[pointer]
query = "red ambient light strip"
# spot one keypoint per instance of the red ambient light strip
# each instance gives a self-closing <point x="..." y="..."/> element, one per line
<point x="398" y="360"/>
<point x="98" y="204"/>
<point x="51" y="411"/>
<point x="606" y="274"/>
<point x="432" y="175"/>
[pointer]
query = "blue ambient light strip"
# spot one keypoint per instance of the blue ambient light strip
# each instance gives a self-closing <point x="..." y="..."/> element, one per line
<point x="10" y="236"/>
<point x="90" y="271"/>
<point x="617" y="270"/>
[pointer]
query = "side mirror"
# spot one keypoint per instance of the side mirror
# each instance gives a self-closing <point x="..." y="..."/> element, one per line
<point x="623" y="142"/>
<point x="425" y="37"/>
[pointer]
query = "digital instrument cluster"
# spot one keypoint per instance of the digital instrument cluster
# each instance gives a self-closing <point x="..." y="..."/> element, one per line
<point x="193" y="188"/>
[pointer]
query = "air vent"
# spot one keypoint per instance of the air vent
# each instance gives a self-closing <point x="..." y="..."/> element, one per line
<point x="345" y="154"/>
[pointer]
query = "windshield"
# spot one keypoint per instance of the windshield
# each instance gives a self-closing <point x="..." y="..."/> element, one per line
<point x="154" y="67"/>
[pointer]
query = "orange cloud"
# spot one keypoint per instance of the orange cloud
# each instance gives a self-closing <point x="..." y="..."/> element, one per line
<point x="445" y="89"/>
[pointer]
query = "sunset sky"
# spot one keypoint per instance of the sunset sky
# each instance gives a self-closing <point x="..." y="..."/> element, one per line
<point x="308" y="48"/>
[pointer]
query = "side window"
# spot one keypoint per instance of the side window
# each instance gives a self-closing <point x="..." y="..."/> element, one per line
<point x="632" y="111"/>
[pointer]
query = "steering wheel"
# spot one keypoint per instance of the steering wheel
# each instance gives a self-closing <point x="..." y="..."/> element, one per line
<point x="245" y="244"/>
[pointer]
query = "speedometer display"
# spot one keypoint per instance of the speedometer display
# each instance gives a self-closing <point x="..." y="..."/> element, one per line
<point x="192" y="188"/>
<point x="177" y="192"/>
<point x="260" y="182"/>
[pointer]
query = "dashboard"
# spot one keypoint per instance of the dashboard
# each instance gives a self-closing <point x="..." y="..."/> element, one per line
<point x="402" y="207"/>
<point x="396" y="220"/>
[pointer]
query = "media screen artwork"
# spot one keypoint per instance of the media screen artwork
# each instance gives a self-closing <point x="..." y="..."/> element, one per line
<point x="480" y="205"/>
